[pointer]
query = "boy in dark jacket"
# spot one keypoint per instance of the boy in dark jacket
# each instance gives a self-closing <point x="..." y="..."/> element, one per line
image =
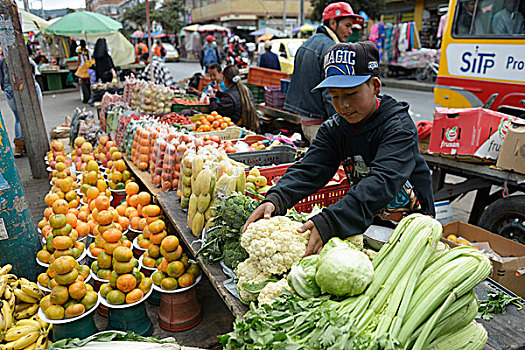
<point x="375" y="139"/>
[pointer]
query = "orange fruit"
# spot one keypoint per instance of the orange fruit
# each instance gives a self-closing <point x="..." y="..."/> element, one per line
<point x="133" y="201"/>
<point x="92" y="193"/>
<point x="48" y="212"/>
<point x="105" y="217"/>
<point x="134" y="223"/>
<point x="142" y="223"/>
<point x="175" y="269"/>
<point x="71" y="219"/>
<point x="132" y="188"/>
<point x="60" y="206"/>
<point x="102" y="203"/>
<point x="144" y="198"/>
<point x="186" y="280"/>
<point x="124" y="222"/>
<point x="121" y="210"/>
<point x="92" y="205"/>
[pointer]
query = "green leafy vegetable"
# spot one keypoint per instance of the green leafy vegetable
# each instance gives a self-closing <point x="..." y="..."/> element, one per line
<point x="302" y="277"/>
<point x="342" y="270"/>
<point x="105" y="337"/>
<point x="223" y="239"/>
<point x="496" y="303"/>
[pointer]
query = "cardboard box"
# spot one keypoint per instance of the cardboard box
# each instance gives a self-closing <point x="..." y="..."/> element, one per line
<point x="504" y="273"/>
<point x="512" y="154"/>
<point x="475" y="132"/>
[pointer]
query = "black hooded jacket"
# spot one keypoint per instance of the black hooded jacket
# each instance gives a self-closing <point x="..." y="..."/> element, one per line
<point x="386" y="142"/>
<point x="103" y="61"/>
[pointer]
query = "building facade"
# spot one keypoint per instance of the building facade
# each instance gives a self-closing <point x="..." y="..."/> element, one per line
<point x="111" y="8"/>
<point x="248" y="15"/>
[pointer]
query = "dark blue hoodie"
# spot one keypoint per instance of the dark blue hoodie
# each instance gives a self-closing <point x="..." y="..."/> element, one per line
<point x="386" y="143"/>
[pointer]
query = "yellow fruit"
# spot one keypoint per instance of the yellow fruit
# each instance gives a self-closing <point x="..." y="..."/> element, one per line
<point x="452" y="238"/>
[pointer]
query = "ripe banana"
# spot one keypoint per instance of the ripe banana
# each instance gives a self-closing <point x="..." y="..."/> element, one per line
<point x="8" y="292"/>
<point x="18" y="332"/>
<point x="29" y="323"/>
<point x="32" y="290"/>
<point x="41" y="342"/>
<point x="3" y="285"/>
<point x="43" y="324"/>
<point x="5" y="269"/>
<point x="30" y="347"/>
<point x="23" y="296"/>
<point x="2" y="316"/>
<point x="7" y="313"/>
<point x="30" y="311"/>
<point x="22" y="306"/>
<point x="21" y="343"/>
<point x="11" y="302"/>
<point x="24" y="281"/>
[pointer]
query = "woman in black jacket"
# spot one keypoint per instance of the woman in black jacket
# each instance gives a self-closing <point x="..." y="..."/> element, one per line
<point x="104" y="67"/>
<point x="236" y="102"/>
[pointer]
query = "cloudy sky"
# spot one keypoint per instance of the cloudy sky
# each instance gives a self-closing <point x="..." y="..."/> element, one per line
<point x="53" y="4"/>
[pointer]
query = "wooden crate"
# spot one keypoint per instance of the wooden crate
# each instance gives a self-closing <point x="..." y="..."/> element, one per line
<point x="266" y="77"/>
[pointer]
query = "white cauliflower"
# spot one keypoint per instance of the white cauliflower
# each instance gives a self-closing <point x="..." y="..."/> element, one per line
<point x="272" y="290"/>
<point x="249" y="272"/>
<point x="275" y="243"/>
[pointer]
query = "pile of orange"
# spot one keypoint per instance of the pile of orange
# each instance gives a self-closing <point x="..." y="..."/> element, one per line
<point x="212" y="122"/>
<point x="131" y="208"/>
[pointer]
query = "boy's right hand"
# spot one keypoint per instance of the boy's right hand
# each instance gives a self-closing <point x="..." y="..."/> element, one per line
<point x="264" y="210"/>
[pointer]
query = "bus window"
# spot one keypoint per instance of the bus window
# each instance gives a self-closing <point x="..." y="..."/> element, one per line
<point x="489" y="18"/>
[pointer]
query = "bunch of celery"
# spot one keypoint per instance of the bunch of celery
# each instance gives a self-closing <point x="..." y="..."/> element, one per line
<point x="421" y="297"/>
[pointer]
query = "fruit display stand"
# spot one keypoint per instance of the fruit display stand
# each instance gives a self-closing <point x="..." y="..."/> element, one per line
<point x="77" y="327"/>
<point x="129" y="317"/>
<point x="169" y="203"/>
<point x="179" y="309"/>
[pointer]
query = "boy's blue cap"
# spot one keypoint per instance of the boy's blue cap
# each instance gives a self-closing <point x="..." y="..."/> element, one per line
<point x="349" y="65"/>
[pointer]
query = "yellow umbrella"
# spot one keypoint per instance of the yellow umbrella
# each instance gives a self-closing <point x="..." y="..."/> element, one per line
<point x="265" y="37"/>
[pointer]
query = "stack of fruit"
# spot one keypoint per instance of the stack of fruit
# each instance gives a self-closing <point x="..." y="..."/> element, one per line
<point x="108" y="233"/>
<point x="93" y="183"/>
<point x="140" y="151"/>
<point x="46" y="279"/>
<point x="70" y="296"/>
<point x="65" y="189"/>
<point x="212" y="122"/>
<point x="109" y="148"/>
<point x="119" y="175"/>
<point x="20" y="327"/>
<point x="131" y="208"/>
<point x="56" y="155"/>
<point x="174" y="270"/>
<point x="156" y="233"/>
<point x="60" y="171"/>
<point x="256" y="182"/>
<point x="126" y="283"/>
<point x="62" y="240"/>
<point x="58" y="206"/>
<point x="151" y="218"/>
<point x="82" y="153"/>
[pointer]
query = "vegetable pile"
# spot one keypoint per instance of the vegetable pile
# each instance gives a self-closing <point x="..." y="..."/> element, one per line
<point x="223" y="239"/>
<point x="273" y="246"/>
<point x="420" y="297"/>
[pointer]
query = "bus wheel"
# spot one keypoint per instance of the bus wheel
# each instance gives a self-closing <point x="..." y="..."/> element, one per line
<point x="506" y="217"/>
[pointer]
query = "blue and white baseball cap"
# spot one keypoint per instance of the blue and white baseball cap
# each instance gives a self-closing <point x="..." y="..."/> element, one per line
<point x="349" y="65"/>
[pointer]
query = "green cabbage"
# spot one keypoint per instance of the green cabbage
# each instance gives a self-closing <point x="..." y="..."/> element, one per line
<point x="334" y="243"/>
<point x="343" y="271"/>
<point x="302" y="277"/>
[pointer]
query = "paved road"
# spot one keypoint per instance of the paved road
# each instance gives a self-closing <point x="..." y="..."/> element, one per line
<point x="421" y="103"/>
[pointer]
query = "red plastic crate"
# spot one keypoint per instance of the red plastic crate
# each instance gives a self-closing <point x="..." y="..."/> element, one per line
<point x="324" y="197"/>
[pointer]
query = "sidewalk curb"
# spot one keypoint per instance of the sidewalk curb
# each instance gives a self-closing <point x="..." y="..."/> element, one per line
<point x="407" y="84"/>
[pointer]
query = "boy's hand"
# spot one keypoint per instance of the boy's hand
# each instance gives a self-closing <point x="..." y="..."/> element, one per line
<point x="265" y="209"/>
<point x="315" y="243"/>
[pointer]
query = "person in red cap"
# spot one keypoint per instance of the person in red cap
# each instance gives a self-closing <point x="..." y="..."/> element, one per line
<point x="315" y="108"/>
<point x="209" y="53"/>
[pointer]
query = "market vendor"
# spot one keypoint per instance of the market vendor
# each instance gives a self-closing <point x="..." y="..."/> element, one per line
<point x="217" y="81"/>
<point x="376" y="140"/>
<point x="315" y="108"/>
<point x="236" y="102"/>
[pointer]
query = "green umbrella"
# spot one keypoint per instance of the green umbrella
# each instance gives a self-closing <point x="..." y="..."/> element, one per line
<point x="83" y="22"/>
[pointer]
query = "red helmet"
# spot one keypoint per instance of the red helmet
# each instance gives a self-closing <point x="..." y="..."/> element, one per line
<point x="210" y="38"/>
<point x="341" y="9"/>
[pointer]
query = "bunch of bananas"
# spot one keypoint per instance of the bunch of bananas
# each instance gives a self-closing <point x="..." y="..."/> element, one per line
<point x="20" y="327"/>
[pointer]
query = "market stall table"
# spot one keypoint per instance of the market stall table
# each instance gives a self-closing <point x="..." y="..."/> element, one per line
<point x="479" y="177"/>
<point x="279" y="113"/>
<point x="54" y="79"/>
